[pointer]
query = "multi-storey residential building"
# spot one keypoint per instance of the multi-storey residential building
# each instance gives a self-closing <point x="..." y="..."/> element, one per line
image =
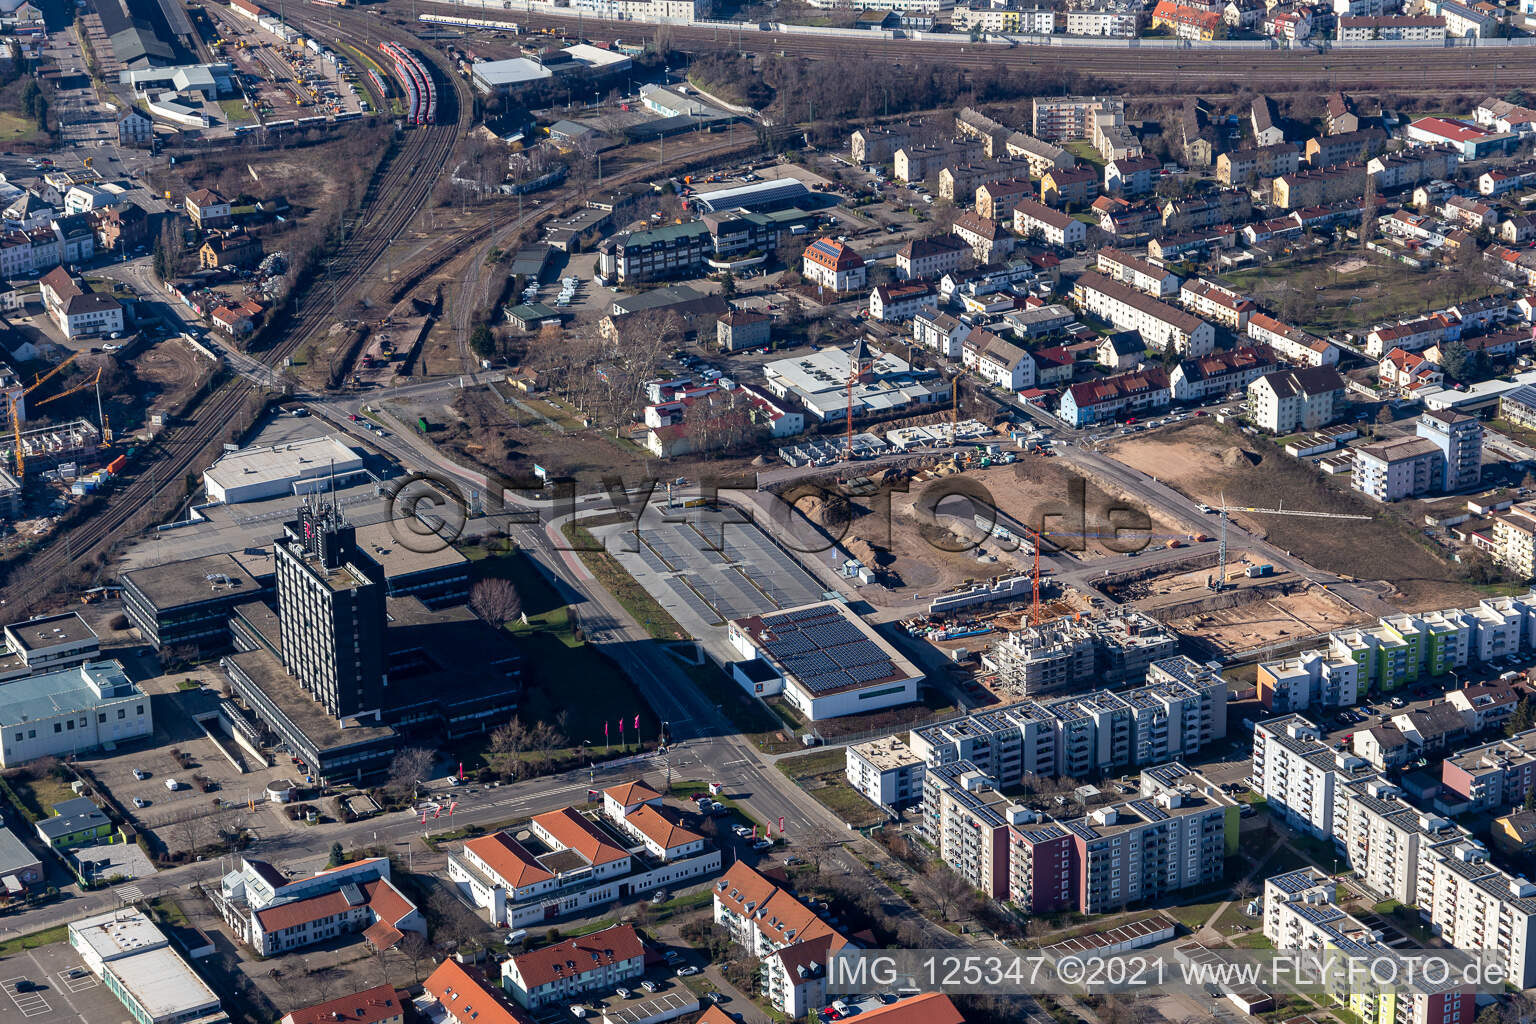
<point x="899" y="301"/>
<point x="887" y="772"/>
<point x="1514" y="540"/>
<point x="1401" y="467"/>
<point x="939" y="332"/>
<point x="995" y="199"/>
<point x="1225" y="206"/>
<point x="1214" y="302"/>
<point x="1410" y="336"/>
<point x="1135" y="392"/>
<point x="1031" y="218"/>
<point x="1493" y="775"/>
<point x="773" y="926"/>
<point x="1475" y="906"/>
<point x="1467" y="20"/>
<point x="1298" y="774"/>
<point x="830" y="264"/>
<point x="1319" y="187"/>
<point x="1162" y="326"/>
<point x="1185" y="22"/>
<point x="1065" y="186"/>
<point x="1220" y="372"/>
<point x="1139" y="273"/>
<point x="1131" y="176"/>
<point x="1300" y="914"/>
<point x="997" y="360"/>
<point x="1416" y="28"/>
<point x="1459" y="439"/>
<point x="1070" y="118"/>
<point x="1042" y="868"/>
<point x="988" y="240"/>
<point x="929" y="258"/>
<point x="561" y="972"/>
<point x="1290" y="400"/>
<point x="1345" y="148"/>
<point x="1292" y="344"/>
<point x="876" y="145"/>
<point x="1246" y="166"/>
<point x="1307" y="679"/>
<point x="1116" y="19"/>
<point x="1177" y="713"/>
<point x="967" y="820"/>
<point x="274" y="914"/>
<point x="1175" y="836"/>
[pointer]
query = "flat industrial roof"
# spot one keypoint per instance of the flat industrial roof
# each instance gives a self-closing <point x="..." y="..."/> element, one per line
<point x="62" y="691"/>
<point x="772" y="190"/>
<point x="294" y="460"/>
<point x="193" y="581"/>
<point x="117" y="932"/>
<point x="49" y="631"/>
<point x="513" y="71"/>
<point x="163" y="984"/>
<point x="306" y="713"/>
<point x="596" y="56"/>
<point x="381" y="542"/>
<point x="827" y="648"/>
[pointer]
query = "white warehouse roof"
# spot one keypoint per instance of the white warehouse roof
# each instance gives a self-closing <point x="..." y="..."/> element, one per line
<point x="597" y="58"/>
<point x="252" y="474"/>
<point x="499" y="74"/>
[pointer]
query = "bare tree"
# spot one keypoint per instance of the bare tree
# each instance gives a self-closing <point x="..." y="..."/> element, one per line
<point x="409" y="767"/>
<point x="322" y="981"/>
<point x="496" y="601"/>
<point x="417" y="950"/>
<point x="948" y="888"/>
<point x="545" y="738"/>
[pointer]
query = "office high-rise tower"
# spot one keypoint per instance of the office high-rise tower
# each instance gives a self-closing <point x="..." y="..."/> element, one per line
<point x="330" y="605"/>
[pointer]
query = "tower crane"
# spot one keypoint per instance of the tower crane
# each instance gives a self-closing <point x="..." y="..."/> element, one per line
<point x="1221" y="580"/>
<point x="15" y="405"/>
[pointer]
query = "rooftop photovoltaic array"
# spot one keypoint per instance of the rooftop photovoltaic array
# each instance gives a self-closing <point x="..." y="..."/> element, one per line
<point x="825" y="651"/>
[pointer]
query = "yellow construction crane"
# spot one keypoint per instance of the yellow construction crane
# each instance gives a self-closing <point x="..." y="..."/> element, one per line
<point x="16" y="400"/>
<point x="91" y="382"/>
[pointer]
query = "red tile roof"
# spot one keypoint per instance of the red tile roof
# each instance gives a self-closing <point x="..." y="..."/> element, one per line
<point x="575" y="957"/>
<point x="469" y="998"/>
<point x="659" y="827"/>
<point x="382" y="898"/>
<point x="777" y="913"/>
<point x="928" y="1008"/>
<point x="367" y="1007"/>
<point x="508" y="859"/>
<point x="574" y="832"/>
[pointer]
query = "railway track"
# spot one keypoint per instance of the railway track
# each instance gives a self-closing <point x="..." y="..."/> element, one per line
<point x="1419" y="69"/>
<point x="398" y="193"/>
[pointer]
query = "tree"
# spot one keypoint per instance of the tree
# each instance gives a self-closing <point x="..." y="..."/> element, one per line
<point x="409" y="767"/>
<point x="496" y="601"/>
<point x="947" y="887"/>
<point x="338" y="857"/>
<point x="482" y="342"/>
<point x="1456" y="359"/>
<point x="1521" y="720"/>
<point x="417" y="950"/>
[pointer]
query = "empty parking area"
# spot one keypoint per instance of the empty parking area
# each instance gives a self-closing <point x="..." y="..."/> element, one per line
<point x="714" y="568"/>
<point x="50" y="985"/>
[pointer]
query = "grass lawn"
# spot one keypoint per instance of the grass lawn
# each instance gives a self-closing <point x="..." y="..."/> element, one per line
<point x="1085" y="152"/>
<point x="235" y="112"/>
<point x="653" y="618"/>
<point x="14" y="126"/>
<point x="46" y="937"/>
<point x="1193" y="916"/>
<point x="1306" y="290"/>
<point x="1252" y="940"/>
<point x="822" y="776"/>
<point x="40" y="795"/>
<point x="553" y="656"/>
<point x="560" y="415"/>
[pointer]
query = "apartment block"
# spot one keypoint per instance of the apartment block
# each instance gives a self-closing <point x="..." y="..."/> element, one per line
<point x="1032" y="219"/>
<point x="1348" y="147"/>
<point x="1070" y="118"/>
<point x="1290" y="400"/>
<point x="1403" y="467"/>
<point x="1459" y="439"/>
<point x="1162" y="326"/>
<point x="1292" y="344"/>
<point x="1298" y="774"/>
<point x="886" y="771"/>
<point x="565" y="971"/>
<point x="967" y="820"/>
<point x="775" y="927"/>
<point x="1217" y="303"/>
<point x="1307" y="679"/>
<point x="1493" y="775"/>
<point x="1175" y="836"/>
<point x="1319" y="187"/>
<point x="1257" y="163"/>
<point x="1300" y="914"/>
<point x="1042" y="868"/>
<point x="1138" y="272"/>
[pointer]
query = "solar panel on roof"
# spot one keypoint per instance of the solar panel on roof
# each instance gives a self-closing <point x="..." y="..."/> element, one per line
<point x="1149" y="810"/>
<point x="869" y="673"/>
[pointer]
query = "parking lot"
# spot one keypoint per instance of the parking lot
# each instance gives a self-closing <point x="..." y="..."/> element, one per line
<point x="49" y="984"/>
<point x="711" y="569"/>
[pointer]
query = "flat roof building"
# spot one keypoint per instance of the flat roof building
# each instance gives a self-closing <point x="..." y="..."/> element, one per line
<point x="829" y="661"/>
<point x="135" y="962"/>
<point x="307" y="466"/>
<point x="69" y="710"/>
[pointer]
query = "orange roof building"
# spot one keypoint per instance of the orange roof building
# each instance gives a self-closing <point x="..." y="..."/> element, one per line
<point x="555" y="974"/>
<point x="379" y="1005"/>
<point x="568" y="829"/>
<point x="468" y="997"/>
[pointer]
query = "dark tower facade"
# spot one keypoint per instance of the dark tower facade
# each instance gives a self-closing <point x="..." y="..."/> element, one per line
<point x="330" y="605"/>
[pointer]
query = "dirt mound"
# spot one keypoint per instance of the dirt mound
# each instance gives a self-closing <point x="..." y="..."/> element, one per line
<point x="1236" y="456"/>
<point x="761" y="460"/>
<point x="865" y="552"/>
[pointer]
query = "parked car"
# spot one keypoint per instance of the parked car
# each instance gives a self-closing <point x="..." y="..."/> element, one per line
<point x="763" y="844"/>
<point x="140" y="774"/>
<point x="687" y="972"/>
<point x="172" y="785"/>
<point x="140" y="802"/>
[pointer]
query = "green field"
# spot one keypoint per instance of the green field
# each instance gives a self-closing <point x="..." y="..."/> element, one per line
<point x="235" y="112"/>
<point x="1310" y="293"/>
<point x="13" y="126"/>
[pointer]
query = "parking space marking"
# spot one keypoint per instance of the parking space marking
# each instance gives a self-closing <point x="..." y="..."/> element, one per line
<point x="31" y="1004"/>
<point x="78" y="984"/>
